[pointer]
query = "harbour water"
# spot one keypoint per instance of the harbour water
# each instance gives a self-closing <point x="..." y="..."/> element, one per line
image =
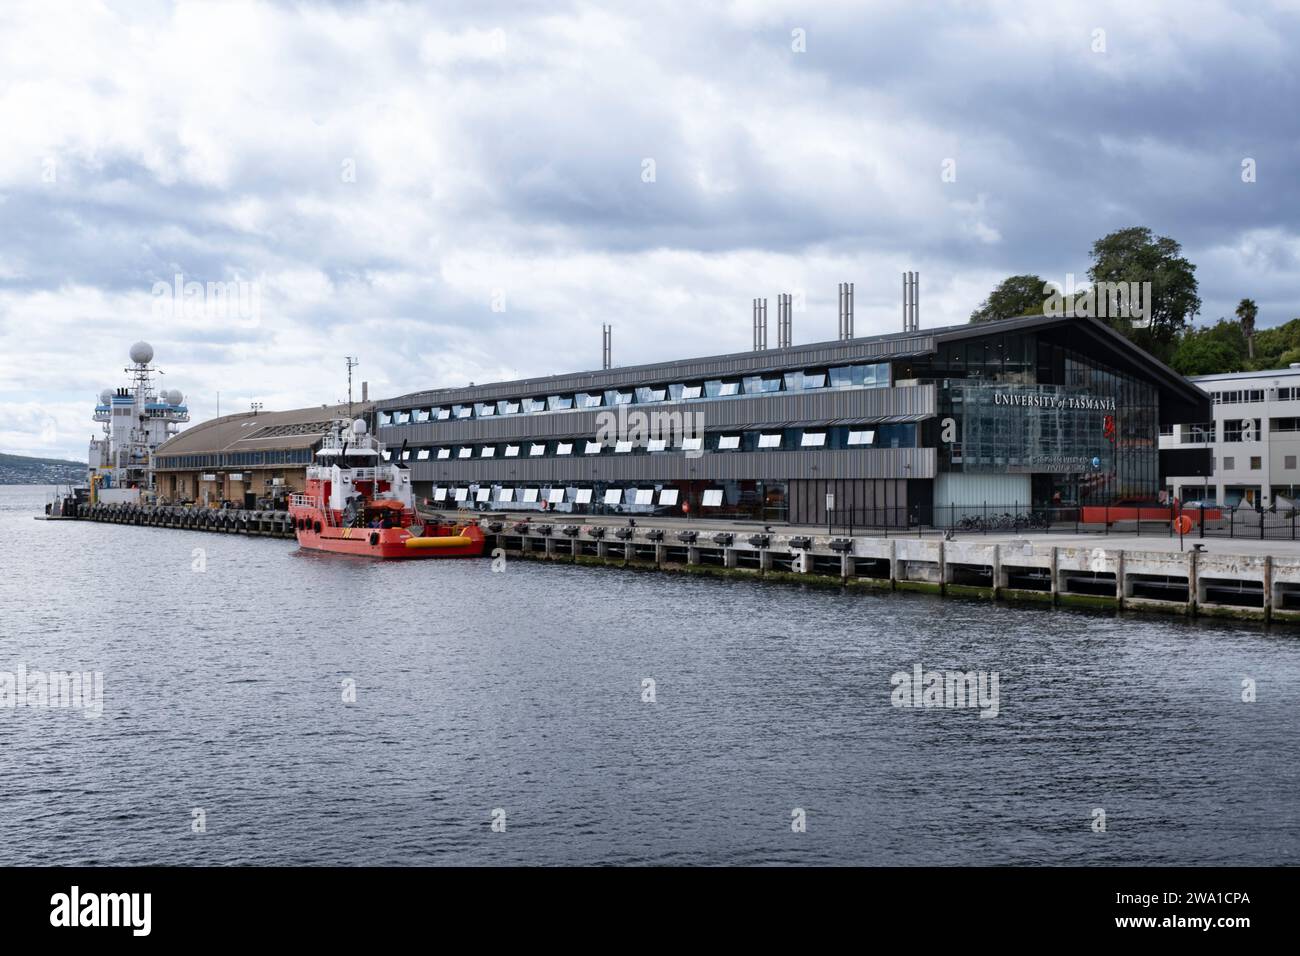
<point x="226" y="661"/>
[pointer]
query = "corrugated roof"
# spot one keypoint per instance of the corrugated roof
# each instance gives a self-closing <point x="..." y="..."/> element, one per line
<point x="260" y="431"/>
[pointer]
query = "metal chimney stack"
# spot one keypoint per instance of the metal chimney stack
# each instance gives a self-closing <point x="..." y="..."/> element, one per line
<point x="760" y="325"/>
<point x="606" y="349"/>
<point x="784" y="308"/>
<point x="846" y="311"/>
<point x="911" y="306"/>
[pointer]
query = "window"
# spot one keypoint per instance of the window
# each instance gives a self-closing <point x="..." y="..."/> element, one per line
<point x="645" y="496"/>
<point x="582" y="496"/>
<point x="1229" y="463"/>
<point x="443" y="414"/>
<point x="556" y="496"/>
<point x="489" y="451"/>
<point x="507" y="408"/>
<point x="512" y="451"/>
<point x="465" y="452"/>
<point x="559" y="403"/>
<point x="421" y="415"/>
<point x="444" y="454"/>
<point x="717" y="388"/>
<point x="689" y="391"/>
<point x="668" y="496"/>
<point x="728" y="442"/>
<point x="657" y="444"/>
<point x="693" y="444"/>
<point x="592" y="448"/>
<point x="564" y="448"/>
<point x="532" y="405"/>
<point x="535" y="450"/>
<point x="484" y="409"/>
<point x="506" y="494"/>
<point x="530" y="495"/>
<point x="769" y="440"/>
<point x="812" y="440"/>
<point x="439" y="494"/>
<point x="462" y="411"/>
<point x="615" y="397"/>
<point x="645" y="394"/>
<point x="613" y="496"/>
<point x="861" y="437"/>
<point x="423" y="455"/>
<point x="484" y="494"/>
<point x="622" y="447"/>
<point x="712" y="498"/>
<point x="1288" y="462"/>
<point x="462" y="494"/>
<point x="1255" y="464"/>
<point x="588" y="400"/>
<point x="755" y="384"/>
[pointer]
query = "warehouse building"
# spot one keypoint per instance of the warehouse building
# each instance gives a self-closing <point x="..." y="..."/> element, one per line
<point x="245" y="458"/>
<point x="912" y="428"/>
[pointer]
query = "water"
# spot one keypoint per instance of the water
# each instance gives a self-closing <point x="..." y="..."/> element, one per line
<point x="522" y="691"/>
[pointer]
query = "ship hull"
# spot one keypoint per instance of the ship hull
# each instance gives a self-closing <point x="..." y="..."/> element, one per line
<point x="388" y="543"/>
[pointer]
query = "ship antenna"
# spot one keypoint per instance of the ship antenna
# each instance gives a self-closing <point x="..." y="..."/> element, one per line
<point x="352" y="363"/>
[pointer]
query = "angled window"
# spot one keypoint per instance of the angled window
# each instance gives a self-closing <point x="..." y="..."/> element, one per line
<point x="564" y="448"/>
<point x="530" y="495"/>
<point x="769" y="440"/>
<point x="812" y="440"/>
<point x="591" y="448"/>
<point x="536" y="449"/>
<point x="728" y="442"/>
<point x="556" y="496"/>
<point x="622" y="447"/>
<point x="613" y="496"/>
<point x="582" y="496"/>
<point x="712" y="498"/>
<point x="693" y="444"/>
<point x="506" y="494"/>
<point x="462" y="494"/>
<point x="861" y="437"/>
<point x="484" y="494"/>
<point x="512" y="451"/>
<point x="489" y="451"/>
<point x="444" y="453"/>
<point x="668" y="496"/>
<point x="439" y="494"/>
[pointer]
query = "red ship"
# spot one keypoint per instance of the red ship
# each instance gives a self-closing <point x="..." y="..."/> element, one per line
<point x="357" y="503"/>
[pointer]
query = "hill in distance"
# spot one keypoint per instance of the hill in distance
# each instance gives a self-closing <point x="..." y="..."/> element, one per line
<point x="22" y="470"/>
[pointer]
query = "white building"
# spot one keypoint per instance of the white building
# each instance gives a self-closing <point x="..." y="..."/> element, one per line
<point x="1254" y="440"/>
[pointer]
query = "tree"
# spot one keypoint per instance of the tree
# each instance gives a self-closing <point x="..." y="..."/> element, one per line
<point x="1246" y="312"/>
<point x="1136" y="255"/>
<point x="1014" y="297"/>
<point x="1211" y="350"/>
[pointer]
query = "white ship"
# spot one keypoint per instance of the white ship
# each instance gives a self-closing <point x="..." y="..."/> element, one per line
<point x="136" y="419"/>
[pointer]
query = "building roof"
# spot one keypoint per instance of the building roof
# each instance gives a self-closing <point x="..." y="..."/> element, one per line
<point x="1120" y="351"/>
<point x="1245" y="376"/>
<point x="259" y="431"/>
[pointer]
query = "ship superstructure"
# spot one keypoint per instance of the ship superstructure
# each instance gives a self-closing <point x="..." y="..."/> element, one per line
<point x="136" y="419"/>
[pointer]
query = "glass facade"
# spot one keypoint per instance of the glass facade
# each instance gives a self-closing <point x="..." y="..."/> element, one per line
<point x="1020" y="405"/>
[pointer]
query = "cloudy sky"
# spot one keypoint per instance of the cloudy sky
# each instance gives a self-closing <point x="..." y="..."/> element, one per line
<point x="465" y="192"/>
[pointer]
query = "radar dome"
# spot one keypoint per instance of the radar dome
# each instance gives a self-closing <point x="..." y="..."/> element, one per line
<point x="359" y="427"/>
<point x="142" y="353"/>
<point x="106" y="396"/>
<point x="174" y="397"/>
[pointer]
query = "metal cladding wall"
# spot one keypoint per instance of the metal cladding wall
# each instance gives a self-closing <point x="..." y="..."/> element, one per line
<point x="738" y="363"/>
<point x="913" y="402"/>
<point x="720" y="466"/>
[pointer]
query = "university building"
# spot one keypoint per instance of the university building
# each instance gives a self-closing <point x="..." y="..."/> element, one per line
<point x="911" y="428"/>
